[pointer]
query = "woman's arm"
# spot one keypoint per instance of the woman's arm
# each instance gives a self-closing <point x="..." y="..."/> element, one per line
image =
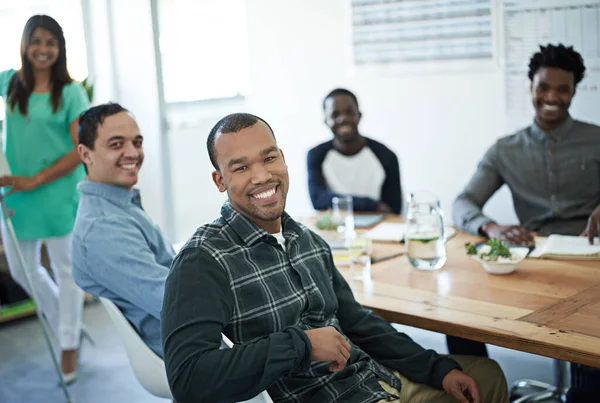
<point x="64" y="166"/>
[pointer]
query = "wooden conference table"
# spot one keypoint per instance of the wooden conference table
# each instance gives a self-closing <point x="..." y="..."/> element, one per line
<point x="545" y="307"/>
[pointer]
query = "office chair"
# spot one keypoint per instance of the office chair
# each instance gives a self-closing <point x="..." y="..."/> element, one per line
<point x="149" y="369"/>
<point x="544" y="391"/>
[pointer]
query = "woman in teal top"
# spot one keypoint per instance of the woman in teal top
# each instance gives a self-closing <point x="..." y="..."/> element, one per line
<point x="43" y="105"/>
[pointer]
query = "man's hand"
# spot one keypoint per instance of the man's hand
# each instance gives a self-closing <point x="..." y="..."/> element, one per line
<point x="384" y="208"/>
<point x="593" y="226"/>
<point x="511" y="234"/>
<point x="329" y="345"/>
<point x="461" y="387"/>
<point x="19" y="183"/>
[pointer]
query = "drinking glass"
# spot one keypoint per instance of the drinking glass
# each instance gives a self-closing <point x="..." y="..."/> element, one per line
<point x="360" y="250"/>
<point x="343" y="215"/>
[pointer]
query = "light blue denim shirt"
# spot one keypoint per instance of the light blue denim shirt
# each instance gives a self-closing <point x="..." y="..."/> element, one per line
<point x="119" y="254"/>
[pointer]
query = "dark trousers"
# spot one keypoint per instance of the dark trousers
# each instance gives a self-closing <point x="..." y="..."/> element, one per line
<point x="460" y="346"/>
<point x="585" y="384"/>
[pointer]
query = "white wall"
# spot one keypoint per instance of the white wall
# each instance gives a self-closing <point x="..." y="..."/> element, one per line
<point x="439" y="124"/>
<point x="124" y="68"/>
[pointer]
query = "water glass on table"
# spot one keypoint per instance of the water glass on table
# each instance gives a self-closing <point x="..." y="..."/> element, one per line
<point x="360" y="250"/>
<point x="343" y="214"/>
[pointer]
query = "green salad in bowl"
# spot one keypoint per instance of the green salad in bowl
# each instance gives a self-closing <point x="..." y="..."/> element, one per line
<point x="496" y="257"/>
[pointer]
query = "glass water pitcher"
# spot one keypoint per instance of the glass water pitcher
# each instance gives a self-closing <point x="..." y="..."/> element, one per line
<point x="425" y="232"/>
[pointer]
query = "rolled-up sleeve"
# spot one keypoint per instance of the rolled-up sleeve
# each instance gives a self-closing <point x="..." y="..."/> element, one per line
<point x="467" y="210"/>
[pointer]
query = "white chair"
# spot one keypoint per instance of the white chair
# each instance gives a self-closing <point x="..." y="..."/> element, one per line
<point x="149" y="369"/>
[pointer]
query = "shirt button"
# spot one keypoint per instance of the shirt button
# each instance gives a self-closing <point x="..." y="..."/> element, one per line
<point x="549" y="152"/>
<point x="549" y="173"/>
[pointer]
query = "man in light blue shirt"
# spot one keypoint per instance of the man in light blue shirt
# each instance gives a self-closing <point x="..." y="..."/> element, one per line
<point x="118" y="253"/>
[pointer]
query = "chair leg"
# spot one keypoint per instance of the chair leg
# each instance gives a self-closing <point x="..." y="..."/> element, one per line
<point x="515" y="390"/>
<point x="544" y="391"/>
<point x="537" y="397"/>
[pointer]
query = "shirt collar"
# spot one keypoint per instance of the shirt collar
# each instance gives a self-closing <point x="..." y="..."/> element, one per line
<point x="558" y="133"/>
<point x="251" y="234"/>
<point x="115" y="194"/>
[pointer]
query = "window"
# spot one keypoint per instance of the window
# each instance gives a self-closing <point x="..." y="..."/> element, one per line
<point x="204" y="48"/>
<point x="14" y="15"/>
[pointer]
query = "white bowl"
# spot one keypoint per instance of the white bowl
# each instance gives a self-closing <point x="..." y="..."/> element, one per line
<point x="502" y="265"/>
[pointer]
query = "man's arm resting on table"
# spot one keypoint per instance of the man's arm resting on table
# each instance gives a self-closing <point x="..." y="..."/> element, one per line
<point x="467" y="208"/>
<point x="198" y="305"/>
<point x="384" y="344"/>
<point x="118" y="258"/>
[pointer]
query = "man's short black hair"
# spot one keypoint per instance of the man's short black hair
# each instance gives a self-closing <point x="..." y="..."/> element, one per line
<point x="90" y="120"/>
<point x="340" y="91"/>
<point x="230" y="124"/>
<point x="565" y="58"/>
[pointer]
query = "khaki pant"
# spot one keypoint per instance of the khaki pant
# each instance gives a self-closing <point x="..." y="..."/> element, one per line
<point x="487" y="373"/>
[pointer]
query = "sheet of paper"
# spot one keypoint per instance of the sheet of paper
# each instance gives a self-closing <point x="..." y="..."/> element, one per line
<point x="387" y="232"/>
<point x="367" y="220"/>
<point x="566" y="247"/>
<point x="540" y="242"/>
<point x="394" y="232"/>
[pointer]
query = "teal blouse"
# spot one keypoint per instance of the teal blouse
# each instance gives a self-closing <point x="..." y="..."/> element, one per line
<point x="31" y="144"/>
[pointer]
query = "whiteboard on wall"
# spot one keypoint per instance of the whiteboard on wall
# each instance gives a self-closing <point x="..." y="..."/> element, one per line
<point x="530" y="23"/>
<point x="400" y="35"/>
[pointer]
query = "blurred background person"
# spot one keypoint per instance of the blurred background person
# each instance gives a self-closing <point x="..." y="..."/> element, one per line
<point x="43" y="105"/>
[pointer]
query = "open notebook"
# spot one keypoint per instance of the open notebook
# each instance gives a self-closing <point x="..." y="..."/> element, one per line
<point x="565" y="247"/>
<point x="394" y="232"/>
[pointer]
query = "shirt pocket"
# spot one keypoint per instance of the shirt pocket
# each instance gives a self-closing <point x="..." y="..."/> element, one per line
<point x="580" y="176"/>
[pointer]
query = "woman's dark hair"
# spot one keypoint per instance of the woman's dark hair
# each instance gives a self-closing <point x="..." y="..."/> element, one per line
<point x="22" y="84"/>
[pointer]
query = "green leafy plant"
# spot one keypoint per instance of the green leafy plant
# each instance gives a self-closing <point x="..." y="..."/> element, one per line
<point x="88" y="86"/>
<point x="326" y="223"/>
<point x="497" y="249"/>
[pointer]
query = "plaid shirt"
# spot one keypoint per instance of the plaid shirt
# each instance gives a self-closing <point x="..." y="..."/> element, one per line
<point x="233" y="277"/>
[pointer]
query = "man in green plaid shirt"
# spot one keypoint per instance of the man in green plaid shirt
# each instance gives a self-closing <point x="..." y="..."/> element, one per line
<point x="270" y="285"/>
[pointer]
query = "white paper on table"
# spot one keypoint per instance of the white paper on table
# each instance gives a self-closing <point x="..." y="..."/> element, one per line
<point x="565" y="247"/>
<point x="394" y="232"/>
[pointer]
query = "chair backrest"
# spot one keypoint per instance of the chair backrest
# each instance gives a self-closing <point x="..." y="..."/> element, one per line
<point x="149" y="369"/>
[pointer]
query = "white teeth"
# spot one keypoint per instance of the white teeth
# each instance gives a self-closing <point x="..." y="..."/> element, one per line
<point x="265" y="195"/>
<point x="43" y="58"/>
<point x="550" y="107"/>
<point x="128" y="166"/>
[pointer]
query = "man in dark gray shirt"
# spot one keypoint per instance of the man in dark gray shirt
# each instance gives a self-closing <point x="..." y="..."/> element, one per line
<point x="551" y="167"/>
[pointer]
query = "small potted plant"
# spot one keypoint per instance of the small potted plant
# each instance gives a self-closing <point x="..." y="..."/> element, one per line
<point x="88" y="86"/>
<point x="496" y="257"/>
